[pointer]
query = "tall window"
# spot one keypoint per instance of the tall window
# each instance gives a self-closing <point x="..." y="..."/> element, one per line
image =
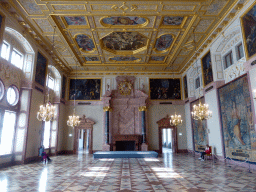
<point x="7" y="127"/>
<point x="5" y="50"/>
<point x="239" y="51"/>
<point x="17" y="59"/>
<point x="47" y="131"/>
<point x="228" y="60"/>
<point x="50" y="82"/>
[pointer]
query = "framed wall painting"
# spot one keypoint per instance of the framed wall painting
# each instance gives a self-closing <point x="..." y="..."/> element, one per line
<point x="41" y="69"/>
<point x="165" y="89"/>
<point x="206" y="63"/>
<point x="85" y="89"/>
<point x="248" y="21"/>
<point x="200" y="134"/>
<point x="2" y="26"/>
<point x="239" y="136"/>
<point x="185" y="83"/>
<point x="63" y="87"/>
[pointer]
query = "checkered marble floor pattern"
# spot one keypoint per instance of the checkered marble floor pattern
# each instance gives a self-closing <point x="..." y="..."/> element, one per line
<point x="172" y="172"/>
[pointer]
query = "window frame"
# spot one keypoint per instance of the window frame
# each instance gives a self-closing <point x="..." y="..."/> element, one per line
<point x="17" y="95"/>
<point x="14" y="50"/>
<point x="229" y="54"/>
<point x="238" y="52"/>
<point x="3" y="87"/>
<point x="2" y="113"/>
<point x="8" y="50"/>
<point x="197" y="78"/>
<point x="53" y="79"/>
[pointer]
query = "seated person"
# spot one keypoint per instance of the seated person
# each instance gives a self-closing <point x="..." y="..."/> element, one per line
<point x="206" y="151"/>
<point x="43" y="154"/>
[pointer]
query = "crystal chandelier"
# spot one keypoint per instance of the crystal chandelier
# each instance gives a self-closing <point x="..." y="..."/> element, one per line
<point x="73" y="120"/>
<point x="176" y="119"/>
<point x="46" y="112"/>
<point x="201" y="112"/>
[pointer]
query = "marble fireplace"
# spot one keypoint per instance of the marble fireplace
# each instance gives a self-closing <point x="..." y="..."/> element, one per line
<point x="125" y="111"/>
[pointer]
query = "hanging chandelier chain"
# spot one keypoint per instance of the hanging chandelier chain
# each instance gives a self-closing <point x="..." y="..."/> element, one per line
<point x="200" y="111"/>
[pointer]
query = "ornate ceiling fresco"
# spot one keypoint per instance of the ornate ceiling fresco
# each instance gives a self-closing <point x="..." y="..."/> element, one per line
<point x="112" y="37"/>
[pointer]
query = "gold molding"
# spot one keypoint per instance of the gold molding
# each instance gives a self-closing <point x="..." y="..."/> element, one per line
<point x="107" y="108"/>
<point x="142" y="108"/>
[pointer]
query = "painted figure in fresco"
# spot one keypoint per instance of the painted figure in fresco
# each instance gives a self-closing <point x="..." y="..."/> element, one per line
<point x="236" y="122"/>
<point x="92" y="58"/>
<point x="172" y="20"/>
<point x="75" y="20"/>
<point x="163" y="42"/>
<point x="124" y="20"/>
<point x="85" y="42"/>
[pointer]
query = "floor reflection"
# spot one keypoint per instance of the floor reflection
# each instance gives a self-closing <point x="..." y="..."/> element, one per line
<point x="171" y="172"/>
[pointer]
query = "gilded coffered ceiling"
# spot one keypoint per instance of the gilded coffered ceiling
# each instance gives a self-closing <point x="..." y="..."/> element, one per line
<point x="112" y="37"/>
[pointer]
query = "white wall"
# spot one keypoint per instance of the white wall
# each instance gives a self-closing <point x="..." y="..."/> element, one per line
<point x="157" y="112"/>
<point x="213" y="124"/>
<point x="93" y="112"/>
<point x="35" y="127"/>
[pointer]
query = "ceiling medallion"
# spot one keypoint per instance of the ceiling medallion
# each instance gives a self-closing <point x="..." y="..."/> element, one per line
<point x="125" y="87"/>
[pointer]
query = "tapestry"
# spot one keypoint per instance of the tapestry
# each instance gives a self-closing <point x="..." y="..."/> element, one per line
<point x="185" y="86"/>
<point x="164" y="89"/>
<point x="249" y="31"/>
<point x="200" y="134"/>
<point x="207" y="69"/>
<point x="237" y="120"/>
<point x="63" y="88"/>
<point x="41" y="65"/>
<point x="85" y="89"/>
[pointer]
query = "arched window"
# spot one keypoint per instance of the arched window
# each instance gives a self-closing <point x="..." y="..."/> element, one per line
<point x="17" y="50"/>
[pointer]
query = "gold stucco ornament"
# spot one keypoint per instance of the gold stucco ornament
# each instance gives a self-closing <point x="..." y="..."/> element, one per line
<point x="125" y="87"/>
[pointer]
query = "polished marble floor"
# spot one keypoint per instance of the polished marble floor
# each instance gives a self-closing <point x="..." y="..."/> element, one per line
<point x="172" y="172"/>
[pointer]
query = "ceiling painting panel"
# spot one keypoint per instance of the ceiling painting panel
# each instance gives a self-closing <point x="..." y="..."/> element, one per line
<point x="154" y="58"/>
<point x="85" y="43"/>
<point x="75" y="21"/>
<point x="163" y="43"/>
<point x="100" y="34"/>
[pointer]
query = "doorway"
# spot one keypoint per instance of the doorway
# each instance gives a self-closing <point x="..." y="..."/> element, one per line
<point x="83" y="141"/>
<point x="167" y="143"/>
<point x="83" y="136"/>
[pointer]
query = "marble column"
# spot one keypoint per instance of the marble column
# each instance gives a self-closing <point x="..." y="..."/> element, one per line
<point x="142" y="109"/>
<point x="106" y="146"/>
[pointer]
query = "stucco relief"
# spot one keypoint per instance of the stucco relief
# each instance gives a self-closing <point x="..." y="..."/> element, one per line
<point x="234" y="71"/>
<point x="226" y="38"/>
<point x="10" y="75"/>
